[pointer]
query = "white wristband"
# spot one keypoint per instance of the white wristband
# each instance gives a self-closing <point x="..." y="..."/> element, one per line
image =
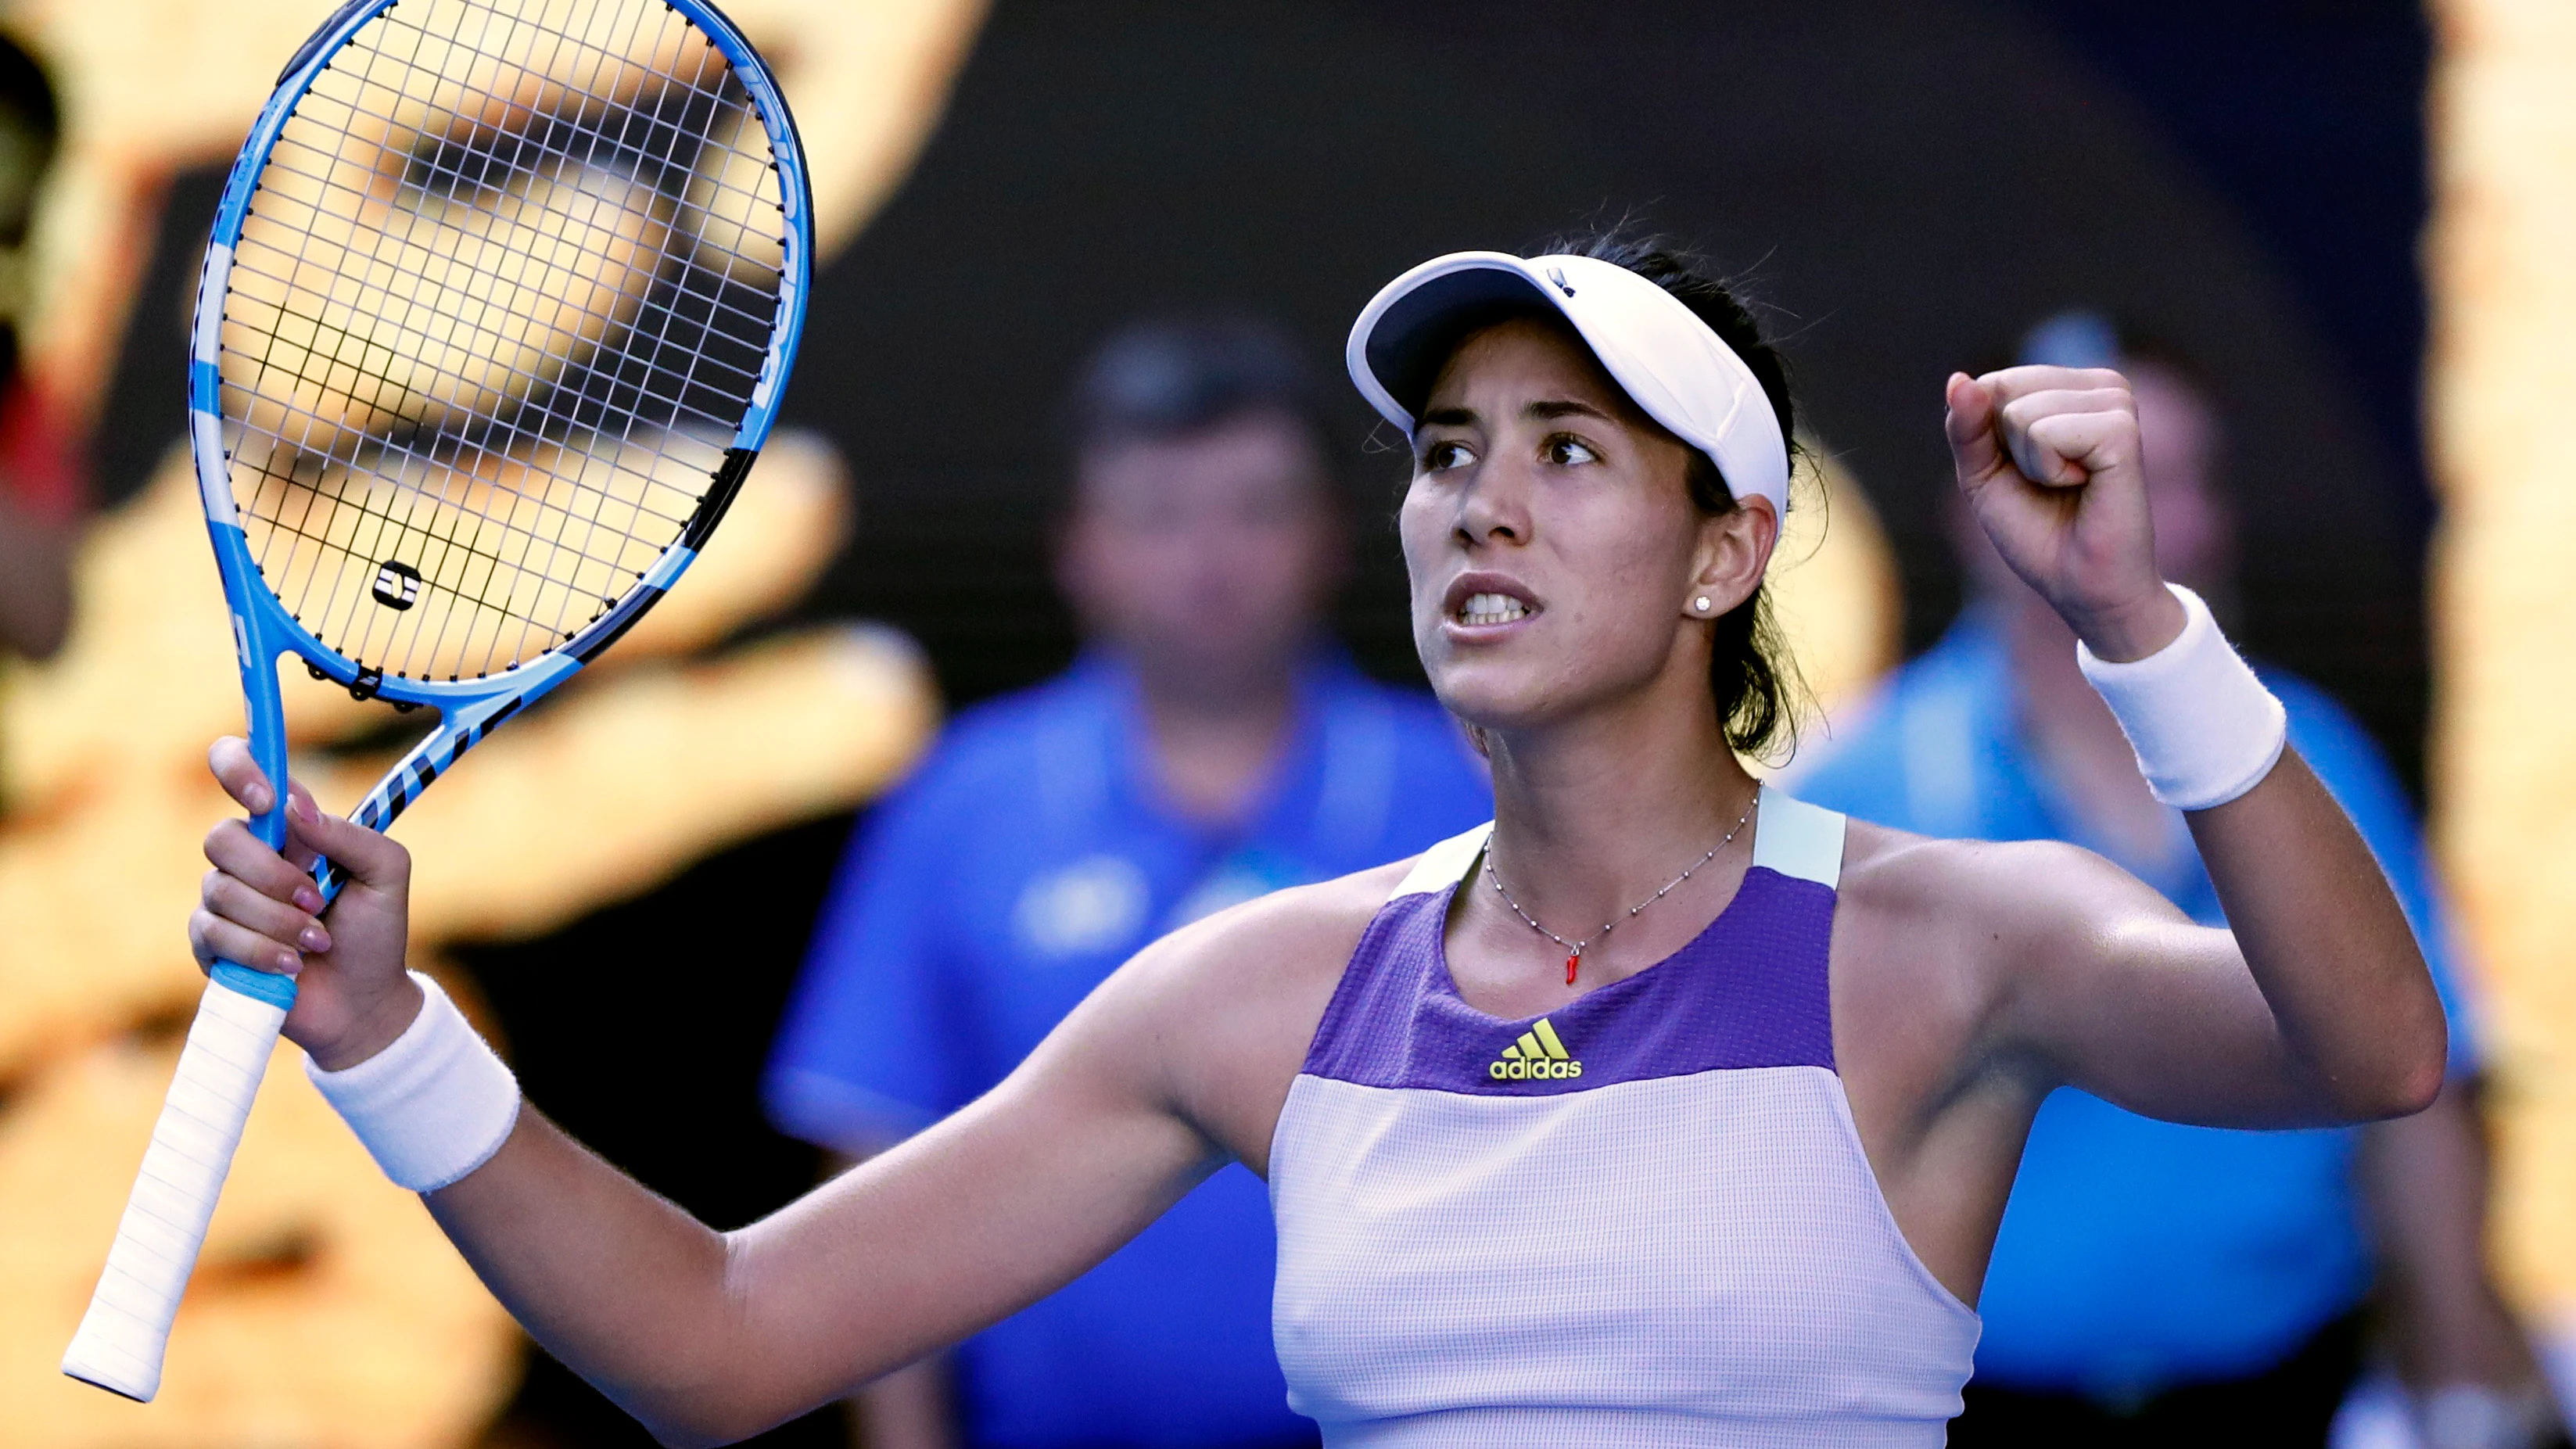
<point x="2204" y="728"/>
<point x="434" y="1105"/>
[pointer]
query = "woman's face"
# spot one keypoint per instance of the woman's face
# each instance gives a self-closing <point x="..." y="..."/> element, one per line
<point x="1554" y="549"/>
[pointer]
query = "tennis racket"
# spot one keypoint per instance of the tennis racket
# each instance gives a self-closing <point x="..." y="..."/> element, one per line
<point x="494" y="319"/>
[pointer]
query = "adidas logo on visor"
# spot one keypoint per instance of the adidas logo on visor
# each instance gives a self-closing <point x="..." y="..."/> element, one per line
<point x="1539" y="1053"/>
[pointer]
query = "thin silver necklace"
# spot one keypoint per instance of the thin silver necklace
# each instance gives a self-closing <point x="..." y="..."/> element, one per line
<point x="1574" y="949"/>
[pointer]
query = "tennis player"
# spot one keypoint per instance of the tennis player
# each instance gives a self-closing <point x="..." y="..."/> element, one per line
<point x="1666" y="1111"/>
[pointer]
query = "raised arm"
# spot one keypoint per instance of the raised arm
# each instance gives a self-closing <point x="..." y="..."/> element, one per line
<point x="2316" y="1005"/>
<point x="705" y="1336"/>
<point x="709" y="1337"/>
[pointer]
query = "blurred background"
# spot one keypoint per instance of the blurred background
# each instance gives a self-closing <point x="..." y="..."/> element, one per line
<point x="2352" y="218"/>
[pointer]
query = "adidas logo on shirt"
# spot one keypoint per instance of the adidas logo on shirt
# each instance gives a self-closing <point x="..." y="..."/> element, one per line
<point x="1537" y="1054"/>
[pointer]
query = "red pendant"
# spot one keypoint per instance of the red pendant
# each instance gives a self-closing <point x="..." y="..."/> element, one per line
<point x="1569" y="967"/>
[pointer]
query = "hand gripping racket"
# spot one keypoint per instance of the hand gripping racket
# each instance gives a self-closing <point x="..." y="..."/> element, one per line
<point x="499" y="301"/>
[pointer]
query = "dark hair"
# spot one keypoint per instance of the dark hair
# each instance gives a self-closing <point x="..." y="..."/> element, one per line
<point x="1750" y="672"/>
<point x="1168" y="377"/>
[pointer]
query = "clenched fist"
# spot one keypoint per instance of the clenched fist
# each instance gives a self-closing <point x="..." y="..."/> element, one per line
<point x="2048" y="459"/>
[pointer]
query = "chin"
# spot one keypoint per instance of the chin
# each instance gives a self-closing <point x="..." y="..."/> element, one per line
<point x="1494" y="696"/>
<point x="1519" y="687"/>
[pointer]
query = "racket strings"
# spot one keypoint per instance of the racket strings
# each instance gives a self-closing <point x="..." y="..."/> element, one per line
<point x="463" y="190"/>
<point x="340" y="132"/>
<point x="743" y="373"/>
<point x="445" y="553"/>
<point x="511" y="298"/>
<point x="560" y="152"/>
<point x="551" y="527"/>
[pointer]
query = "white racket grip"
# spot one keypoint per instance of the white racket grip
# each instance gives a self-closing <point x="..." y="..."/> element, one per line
<point x="122" y="1337"/>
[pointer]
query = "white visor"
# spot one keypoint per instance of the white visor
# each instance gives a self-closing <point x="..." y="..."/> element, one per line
<point x="1676" y="370"/>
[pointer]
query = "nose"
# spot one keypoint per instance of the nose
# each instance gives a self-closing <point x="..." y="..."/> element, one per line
<point x="1494" y="507"/>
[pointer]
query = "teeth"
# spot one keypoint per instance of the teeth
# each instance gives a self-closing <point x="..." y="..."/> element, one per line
<point x="1492" y="609"/>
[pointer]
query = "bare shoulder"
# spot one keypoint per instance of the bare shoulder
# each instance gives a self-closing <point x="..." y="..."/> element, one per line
<point x="1935" y="942"/>
<point x="1968" y="921"/>
<point x="1994" y="889"/>
<point x="1300" y="934"/>
<point x="1225" y="1008"/>
<point x="1256" y="959"/>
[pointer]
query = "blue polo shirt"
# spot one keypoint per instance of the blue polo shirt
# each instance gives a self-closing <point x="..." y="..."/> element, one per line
<point x="2136" y="1255"/>
<point x="1026" y="859"/>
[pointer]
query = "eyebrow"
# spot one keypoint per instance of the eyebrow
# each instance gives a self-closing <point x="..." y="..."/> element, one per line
<point x="1542" y="410"/>
<point x="1564" y="408"/>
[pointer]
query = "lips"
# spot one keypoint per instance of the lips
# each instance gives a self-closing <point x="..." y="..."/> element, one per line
<point x="1487" y="601"/>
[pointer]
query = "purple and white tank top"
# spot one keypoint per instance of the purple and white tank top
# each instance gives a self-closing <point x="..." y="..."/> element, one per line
<point x="1642" y="1219"/>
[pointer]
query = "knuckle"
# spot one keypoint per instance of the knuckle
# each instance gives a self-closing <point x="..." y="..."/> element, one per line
<point x="211" y="942"/>
<point x="234" y="901"/>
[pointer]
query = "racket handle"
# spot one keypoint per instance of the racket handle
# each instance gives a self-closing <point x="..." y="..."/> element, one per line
<point x="122" y="1337"/>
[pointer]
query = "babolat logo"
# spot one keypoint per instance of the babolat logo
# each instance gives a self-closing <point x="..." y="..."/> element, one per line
<point x="1537" y="1054"/>
<point x="397" y="584"/>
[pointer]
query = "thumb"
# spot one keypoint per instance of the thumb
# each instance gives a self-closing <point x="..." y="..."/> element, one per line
<point x="234" y="768"/>
<point x="369" y="858"/>
<point x="1970" y="425"/>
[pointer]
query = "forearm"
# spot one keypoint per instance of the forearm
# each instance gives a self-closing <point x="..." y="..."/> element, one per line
<point x="710" y="1337"/>
<point x="706" y="1337"/>
<point x="623" y="1286"/>
<point x="908" y="1408"/>
<point x="2051" y="461"/>
<point x="2358" y="1027"/>
<point x="2327" y="944"/>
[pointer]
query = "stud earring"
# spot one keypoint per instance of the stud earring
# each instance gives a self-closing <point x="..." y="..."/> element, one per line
<point x="1700" y="603"/>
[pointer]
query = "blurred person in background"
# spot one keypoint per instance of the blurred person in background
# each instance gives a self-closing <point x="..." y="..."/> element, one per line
<point x="41" y="485"/>
<point x="1208" y="746"/>
<point x="2156" y="1284"/>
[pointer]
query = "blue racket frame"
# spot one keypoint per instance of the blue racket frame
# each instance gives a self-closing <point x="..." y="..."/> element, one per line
<point x="467" y="710"/>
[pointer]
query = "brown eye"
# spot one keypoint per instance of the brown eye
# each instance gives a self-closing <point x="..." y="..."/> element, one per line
<point x="1567" y="451"/>
<point x="1443" y="456"/>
